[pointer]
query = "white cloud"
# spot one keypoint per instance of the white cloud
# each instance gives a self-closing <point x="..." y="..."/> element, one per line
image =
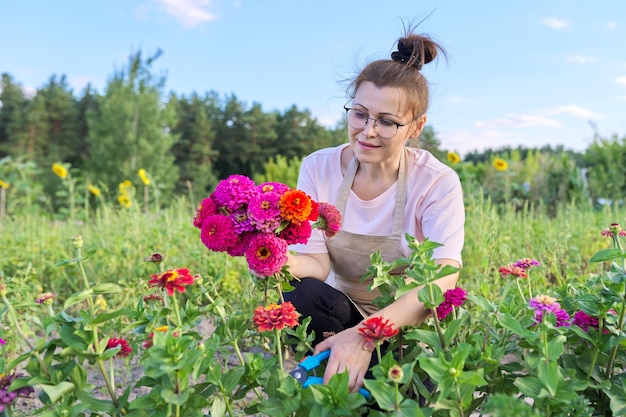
<point x="621" y="80"/>
<point x="190" y="13"/>
<point x="580" y="59"/>
<point x="517" y="120"/>
<point x="555" y="23"/>
<point x="611" y="25"/>
<point x="576" y="111"/>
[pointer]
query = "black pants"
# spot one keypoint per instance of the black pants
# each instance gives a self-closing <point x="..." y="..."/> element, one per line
<point x="330" y="310"/>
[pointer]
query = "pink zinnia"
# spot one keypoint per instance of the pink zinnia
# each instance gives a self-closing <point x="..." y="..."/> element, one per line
<point x="452" y="298"/>
<point x="125" y="350"/>
<point x="206" y="208"/>
<point x="273" y="187"/>
<point x="612" y="230"/>
<point x="264" y="212"/>
<point x="240" y="246"/>
<point x="329" y="219"/>
<point x="526" y="263"/>
<point x="585" y="321"/>
<point x="234" y="192"/>
<point x="545" y="303"/>
<point x="266" y="254"/>
<point x="218" y="233"/>
<point x="296" y="233"/>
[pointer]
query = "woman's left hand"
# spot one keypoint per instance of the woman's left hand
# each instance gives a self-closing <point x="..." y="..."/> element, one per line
<point x="346" y="353"/>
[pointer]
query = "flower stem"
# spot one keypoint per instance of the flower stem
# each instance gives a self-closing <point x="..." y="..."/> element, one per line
<point x="16" y="322"/>
<point x="179" y="321"/>
<point x="521" y="293"/>
<point x="279" y="348"/>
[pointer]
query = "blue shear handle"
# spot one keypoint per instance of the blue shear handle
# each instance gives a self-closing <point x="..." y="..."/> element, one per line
<point x="316" y="380"/>
<point x="311" y="362"/>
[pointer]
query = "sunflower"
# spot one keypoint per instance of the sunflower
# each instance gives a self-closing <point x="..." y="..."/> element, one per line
<point x="500" y="164"/>
<point x="59" y="170"/>
<point x="454" y="158"/>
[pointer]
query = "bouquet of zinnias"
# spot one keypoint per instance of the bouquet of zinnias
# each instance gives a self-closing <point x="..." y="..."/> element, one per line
<point x="260" y="221"/>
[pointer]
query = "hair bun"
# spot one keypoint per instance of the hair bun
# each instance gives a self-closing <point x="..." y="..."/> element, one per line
<point x="415" y="50"/>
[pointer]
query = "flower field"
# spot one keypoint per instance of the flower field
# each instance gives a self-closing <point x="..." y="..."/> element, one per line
<point x="538" y="315"/>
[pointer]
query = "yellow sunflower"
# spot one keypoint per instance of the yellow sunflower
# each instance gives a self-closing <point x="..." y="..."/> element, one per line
<point x="500" y="164"/>
<point x="4" y="184"/>
<point x="454" y="158"/>
<point x="124" y="201"/>
<point x="94" y="190"/>
<point x="144" y="177"/>
<point x="59" y="170"/>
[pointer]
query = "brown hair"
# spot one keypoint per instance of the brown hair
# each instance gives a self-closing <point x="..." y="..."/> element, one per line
<point x="402" y="71"/>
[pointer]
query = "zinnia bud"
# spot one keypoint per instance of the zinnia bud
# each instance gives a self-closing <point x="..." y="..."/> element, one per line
<point x="77" y="241"/>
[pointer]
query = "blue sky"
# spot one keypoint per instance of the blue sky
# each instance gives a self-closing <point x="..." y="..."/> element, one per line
<point x="529" y="73"/>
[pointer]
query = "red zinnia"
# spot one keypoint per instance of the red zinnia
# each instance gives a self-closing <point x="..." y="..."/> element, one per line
<point x="514" y="270"/>
<point x="329" y="219"/>
<point x="172" y="280"/>
<point x="275" y="316"/>
<point x="375" y="330"/>
<point x="296" y="233"/>
<point x="125" y="350"/>
<point x="295" y="206"/>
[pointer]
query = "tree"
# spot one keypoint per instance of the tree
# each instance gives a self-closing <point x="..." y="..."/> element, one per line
<point x="12" y="116"/>
<point x="131" y="129"/>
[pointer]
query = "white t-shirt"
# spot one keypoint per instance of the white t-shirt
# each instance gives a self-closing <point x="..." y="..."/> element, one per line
<point x="434" y="206"/>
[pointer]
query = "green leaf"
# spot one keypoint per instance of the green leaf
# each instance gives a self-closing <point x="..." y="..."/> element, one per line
<point x="72" y="339"/>
<point x="529" y="386"/>
<point x="383" y="393"/>
<point x="556" y="346"/>
<point x="550" y="374"/>
<point x="106" y="288"/>
<point x="55" y="392"/>
<point x="606" y="255"/>
<point x="172" y="398"/>
<point x="95" y="404"/>
<point x="103" y="317"/>
<point x="77" y="298"/>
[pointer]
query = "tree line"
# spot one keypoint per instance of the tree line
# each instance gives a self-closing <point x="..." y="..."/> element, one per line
<point x="188" y="143"/>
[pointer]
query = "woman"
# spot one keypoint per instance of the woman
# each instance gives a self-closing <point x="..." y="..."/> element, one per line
<point x="383" y="190"/>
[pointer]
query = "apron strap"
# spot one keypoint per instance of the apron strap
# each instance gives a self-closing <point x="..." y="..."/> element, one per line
<point x="398" y="214"/>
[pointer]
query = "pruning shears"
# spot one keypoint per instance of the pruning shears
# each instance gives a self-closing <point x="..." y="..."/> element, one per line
<point x="309" y="364"/>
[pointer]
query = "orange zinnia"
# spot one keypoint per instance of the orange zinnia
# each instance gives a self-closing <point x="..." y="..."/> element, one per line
<point x="295" y="206"/>
<point x="275" y="317"/>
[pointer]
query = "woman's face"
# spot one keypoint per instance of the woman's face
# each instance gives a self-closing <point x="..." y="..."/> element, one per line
<point x="381" y="103"/>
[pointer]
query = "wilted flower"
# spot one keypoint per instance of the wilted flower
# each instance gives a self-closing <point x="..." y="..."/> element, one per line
<point x="59" y="170"/>
<point x="500" y="164"/>
<point x="8" y="398"/>
<point x="3" y="290"/>
<point x="155" y="258"/>
<point x="46" y="298"/>
<point x="172" y="280"/>
<point x="329" y="219"/>
<point x="125" y="349"/>
<point x="454" y="158"/>
<point x="152" y="298"/>
<point x="452" y="298"/>
<point x="374" y="330"/>
<point x="275" y="316"/>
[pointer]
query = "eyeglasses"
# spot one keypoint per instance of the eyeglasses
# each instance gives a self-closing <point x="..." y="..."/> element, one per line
<point x="386" y="129"/>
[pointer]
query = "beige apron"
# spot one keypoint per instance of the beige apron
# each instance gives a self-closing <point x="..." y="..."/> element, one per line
<point x="350" y="252"/>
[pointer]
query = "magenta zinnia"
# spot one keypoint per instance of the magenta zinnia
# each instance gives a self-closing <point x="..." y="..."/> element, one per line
<point x="275" y="317"/>
<point x="125" y="349"/>
<point x="218" y="233"/>
<point x="296" y="233"/>
<point x="234" y="192"/>
<point x="172" y="280"/>
<point x="526" y="263"/>
<point x="8" y="398"/>
<point x="264" y="212"/>
<point x="266" y="254"/>
<point x="374" y="330"/>
<point x="206" y="208"/>
<point x="452" y="298"/>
